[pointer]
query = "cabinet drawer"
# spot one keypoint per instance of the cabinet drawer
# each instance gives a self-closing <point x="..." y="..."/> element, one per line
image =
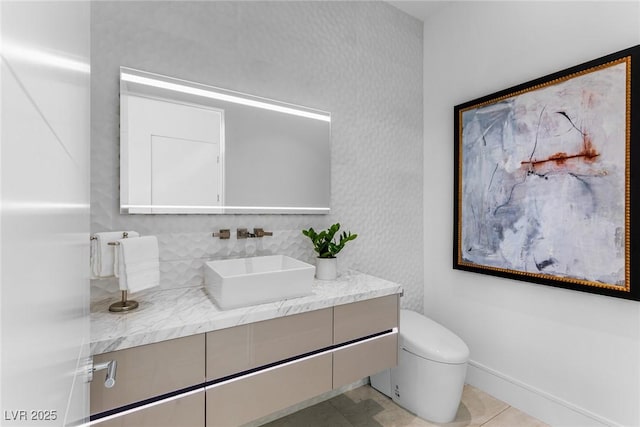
<point x="366" y="358"/>
<point x="243" y="399"/>
<point x="364" y="318"/>
<point x="186" y="411"/>
<point x="245" y="347"/>
<point x="148" y="371"/>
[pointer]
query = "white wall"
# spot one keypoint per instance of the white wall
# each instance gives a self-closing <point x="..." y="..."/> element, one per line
<point x="566" y="357"/>
<point x="362" y="61"/>
<point x="45" y="212"/>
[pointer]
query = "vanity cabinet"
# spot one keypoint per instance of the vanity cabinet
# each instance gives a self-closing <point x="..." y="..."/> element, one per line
<point x="148" y="371"/>
<point x="364" y="318"/>
<point x="245" y="399"/>
<point x="366" y="358"/>
<point x="370" y="355"/>
<point x="231" y="376"/>
<point x="305" y="355"/>
<point x="245" y="347"/>
<point x="239" y="350"/>
<point x="187" y="411"/>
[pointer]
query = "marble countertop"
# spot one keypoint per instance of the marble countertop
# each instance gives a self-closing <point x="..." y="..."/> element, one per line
<point x="175" y="313"/>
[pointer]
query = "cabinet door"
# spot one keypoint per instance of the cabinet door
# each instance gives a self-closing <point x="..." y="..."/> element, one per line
<point x="186" y="411"/>
<point x="364" y="318"/>
<point x="245" y="347"/>
<point x="365" y="358"/>
<point x="243" y="399"/>
<point x="149" y="370"/>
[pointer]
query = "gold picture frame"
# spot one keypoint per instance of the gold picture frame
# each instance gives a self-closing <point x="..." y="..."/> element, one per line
<point x="543" y="189"/>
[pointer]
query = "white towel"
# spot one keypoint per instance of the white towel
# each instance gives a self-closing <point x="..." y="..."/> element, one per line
<point x="138" y="263"/>
<point x="103" y="255"/>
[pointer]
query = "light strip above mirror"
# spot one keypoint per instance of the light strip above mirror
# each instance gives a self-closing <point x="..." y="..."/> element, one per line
<point x="223" y="209"/>
<point x="213" y="93"/>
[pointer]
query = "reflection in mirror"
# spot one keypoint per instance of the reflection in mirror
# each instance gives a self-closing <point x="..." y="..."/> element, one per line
<point x="186" y="147"/>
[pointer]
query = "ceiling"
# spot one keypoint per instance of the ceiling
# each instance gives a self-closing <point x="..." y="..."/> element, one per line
<point x="421" y="9"/>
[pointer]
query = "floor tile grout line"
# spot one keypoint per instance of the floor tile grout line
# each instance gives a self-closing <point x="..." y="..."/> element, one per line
<point x="356" y="408"/>
<point x="496" y="415"/>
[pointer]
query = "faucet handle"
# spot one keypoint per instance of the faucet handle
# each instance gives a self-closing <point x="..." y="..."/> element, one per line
<point x="259" y="232"/>
<point x="223" y="234"/>
<point x="111" y="367"/>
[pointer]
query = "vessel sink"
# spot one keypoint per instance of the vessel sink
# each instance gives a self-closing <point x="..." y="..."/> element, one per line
<point x="248" y="281"/>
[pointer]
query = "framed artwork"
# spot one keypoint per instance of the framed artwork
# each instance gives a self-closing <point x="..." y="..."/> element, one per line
<point x="544" y="186"/>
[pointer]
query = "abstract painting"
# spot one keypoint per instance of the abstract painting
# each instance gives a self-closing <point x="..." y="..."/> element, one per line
<point x="543" y="185"/>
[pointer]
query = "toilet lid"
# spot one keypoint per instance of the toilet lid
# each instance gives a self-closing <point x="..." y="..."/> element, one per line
<point x="430" y="340"/>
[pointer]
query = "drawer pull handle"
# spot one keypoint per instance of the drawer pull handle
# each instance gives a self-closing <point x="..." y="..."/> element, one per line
<point x="111" y="367"/>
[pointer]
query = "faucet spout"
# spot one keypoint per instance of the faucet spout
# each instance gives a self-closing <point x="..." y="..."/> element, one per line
<point x="243" y="233"/>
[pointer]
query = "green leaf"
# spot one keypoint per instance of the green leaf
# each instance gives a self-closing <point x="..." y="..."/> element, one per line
<point x="324" y="243"/>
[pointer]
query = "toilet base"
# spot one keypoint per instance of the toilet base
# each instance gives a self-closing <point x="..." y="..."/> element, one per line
<point x="429" y="389"/>
<point x="432" y="366"/>
<point x="382" y="382"/>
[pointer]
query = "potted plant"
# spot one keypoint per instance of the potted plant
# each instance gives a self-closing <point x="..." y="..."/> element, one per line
<point x="327" y="249"/>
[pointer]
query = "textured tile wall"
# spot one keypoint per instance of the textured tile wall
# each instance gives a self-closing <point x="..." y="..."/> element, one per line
<point x="360" y="60"/>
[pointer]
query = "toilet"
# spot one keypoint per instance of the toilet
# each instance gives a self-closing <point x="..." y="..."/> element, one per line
<point x="432" y="365"/>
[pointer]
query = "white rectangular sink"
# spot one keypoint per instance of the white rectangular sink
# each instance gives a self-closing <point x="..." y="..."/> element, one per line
<point x="248" y="281"/>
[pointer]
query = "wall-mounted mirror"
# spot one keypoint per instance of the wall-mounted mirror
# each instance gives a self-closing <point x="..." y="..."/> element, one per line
<point x="187" y="147"/>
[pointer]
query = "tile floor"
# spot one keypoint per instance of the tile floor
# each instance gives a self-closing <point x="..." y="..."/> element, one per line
<point x="366" y="407"/>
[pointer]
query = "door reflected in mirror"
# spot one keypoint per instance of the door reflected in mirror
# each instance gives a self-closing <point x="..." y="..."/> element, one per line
<point x="186" y="147"/>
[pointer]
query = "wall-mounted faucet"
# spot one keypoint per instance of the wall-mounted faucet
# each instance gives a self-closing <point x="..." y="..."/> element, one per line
<point x="224" y="234"/>
<point x="243" y="233"/>
<point x="259" y="232"/>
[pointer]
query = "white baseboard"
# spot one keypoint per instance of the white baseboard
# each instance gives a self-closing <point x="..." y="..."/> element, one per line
<point x="533" y="401"/>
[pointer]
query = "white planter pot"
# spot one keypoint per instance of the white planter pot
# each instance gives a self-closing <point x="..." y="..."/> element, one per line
<point x="326" y="268"/>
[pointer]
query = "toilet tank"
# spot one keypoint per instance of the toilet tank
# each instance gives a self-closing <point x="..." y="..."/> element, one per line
<point x="429" y="340"/>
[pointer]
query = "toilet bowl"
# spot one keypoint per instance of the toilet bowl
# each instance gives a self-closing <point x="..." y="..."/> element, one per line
<point x="432" y="365"/>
